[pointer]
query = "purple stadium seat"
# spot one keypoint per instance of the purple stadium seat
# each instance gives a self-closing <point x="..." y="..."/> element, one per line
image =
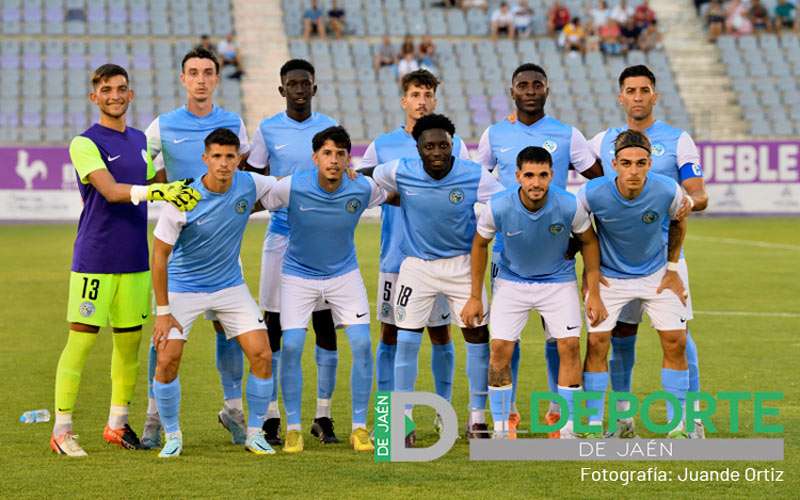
<point x="33" y="13"/>
<point x="9" y="61"/>
<point x="138" y="15"/>
<point x="11" y="14"/>
<point x="141" y="61"/>
<point x="54" y="118"/>
<point x="481" y="116"/>
<point x="477" y="102"/>
<point x="54" y="14"/>
<point x="76" y="61"/>
<point x="9" y="119"/>
<point x="499" y="103"/>
<point x="32" y="61"/>
<point x="31" y="119"/>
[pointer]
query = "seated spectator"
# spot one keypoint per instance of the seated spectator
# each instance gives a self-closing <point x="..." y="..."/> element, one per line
<point x="650" y="38"/>
<point x="523" y="15"/>
<point x="557" y="17"/>
<point x="386" y="56"/>
<point x="621" y="12"/>
<point x="229" y="53"/>
<point x="784" y="15"/>
<point x="313" y="21"/>
<point x="336" y="20"/>
<point x="406" y="65"/>
<point x="592" y="39"/>
<point x="644" y="15"/>
<point x="572" y="36"/>
<point x="427" y="53"/>
<point x="610" y="38"/>
<point x="600" y="13"/>
<point x="407" y="47"/>
<point x="759" y="16"/>
<point x="502" y="21"/>
<point x="715" y="20"/>
<point x="629" y="34"/>
<point x="736" y="20"/>
<point x="205" y="43"/>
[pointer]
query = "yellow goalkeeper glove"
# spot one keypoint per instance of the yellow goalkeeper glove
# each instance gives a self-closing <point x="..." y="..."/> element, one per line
<point x="179" y="193"/>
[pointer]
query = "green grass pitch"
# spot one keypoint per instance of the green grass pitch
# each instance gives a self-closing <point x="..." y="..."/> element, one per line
<point x="738" y="351"/>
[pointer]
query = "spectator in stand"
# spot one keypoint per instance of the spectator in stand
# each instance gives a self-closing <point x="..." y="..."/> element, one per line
<point x="475" y="4"/>
<point x="621" y="12"/>
<point x="736" y="20"/>
<point x="629" y="34"/>
<point x="336" y="20"/>
<point x="715" y="20"/>
<point x="229" y="53"/>
<point x="644" y="15"/>
<point x="502" y="21"/>
<point x="427" y="53"/>
<point x="205" y="43"/>
<point x="313" y="21"/>
<point x="759" y="16"/>
<point x="610" y="42"/>
<point x="699" y="6"/>
<point x="406" y="65"/>
<point x="592" y="39"/>
<point x="557" y="17"/>
<point x="523" y="15"/>
<point x="784" y="15"/>
<point x="386" y="56"/>
<point x="573" y="36"/>
<point x="600" y="13"/>
<point x="407" y="47"/>
<point x="650" y="38"/>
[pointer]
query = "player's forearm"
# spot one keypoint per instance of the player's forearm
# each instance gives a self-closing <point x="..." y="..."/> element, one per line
<point x="677" y="233"/>
<point x="159" y="275"/>
<point x="699" y="200"/>
<point x="590" y="251"/>
<point x="480" y="254"/>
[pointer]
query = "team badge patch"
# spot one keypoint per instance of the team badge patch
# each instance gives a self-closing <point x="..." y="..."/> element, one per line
<point x="550" y="146"/>
<point x="649" y="217"/>
<point x="241" y="206"/>
<point x="658" y="149"/>
<point x="456" y="196"/>
<point x="86" y="309"/>
<point x="556" y="228"/>
<point x="386" y="310"/>
<point x="353" y="204"/>
<point x="400" y="313"/>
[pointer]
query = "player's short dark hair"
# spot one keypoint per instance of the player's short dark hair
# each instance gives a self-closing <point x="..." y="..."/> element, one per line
<point x="337" y="134"/>
<point x="223" y="137"/>
<point x="419" y="78"/>
<point x="528" y="67"/>
<point x="200" y="53"/>
<point x="631" y="139"/>
<point x="430" y="122"/>
<point x="534" y="154"/>
<point x="293" y="64"/>
<point x="638" y="70"/>
<point x="106" y="71"/>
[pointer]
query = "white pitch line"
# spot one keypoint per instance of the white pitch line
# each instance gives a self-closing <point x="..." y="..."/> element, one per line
<point x="751" y="313"/>
<point x="749" y="243"/>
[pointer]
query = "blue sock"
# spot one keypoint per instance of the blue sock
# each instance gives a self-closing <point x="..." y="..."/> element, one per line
<point x="327" y="361"/>
<point x="276" y="368"/>
<point x="553" y="364"/>
<point x="258" y="394"/>
<point x="230" y="364"/>
<point x="596" y="382"/>
<point x="384" y="357"/>
<point x="405" y="362"/>
<point x="443" y="366"/>
<point x="168" y="399"/>
<point x="151" y="370"/>
<point x="623" y="356"/>
<point x="675" y="382"/>
<point x="567" y="393"/>
<point x="361" y="371"/>
<point x="500" y="404"/>
<point x="292" y="373"/>
<point x="478" y="374"/>
<point x="694" y="367"/>
<point x="515" y="373"/>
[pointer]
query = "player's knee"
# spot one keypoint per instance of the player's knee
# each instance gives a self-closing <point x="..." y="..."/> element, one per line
<point x="597" y="345"/>
<point x="360" y="345"/>
<point x="624" y="329"/>
<point x="388" y="334"/>
<point x="674" y="347"/>
<point x="439" y="335"/>
<point x="167" y="366"/>
<point x="479" y="335"/>
<point x="569" y="348"/>
<point x="261" y="363"/>
<point x="293" y="344"/>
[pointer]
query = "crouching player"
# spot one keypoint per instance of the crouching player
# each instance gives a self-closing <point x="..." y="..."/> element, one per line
<point x="324" y="207"/>
<point x="204" y="274"/>
<point x="536" y="220"/>
<point x="640" y="244"/>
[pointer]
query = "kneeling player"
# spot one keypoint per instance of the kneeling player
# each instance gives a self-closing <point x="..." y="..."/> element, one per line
<point x="204" y="274"/>
<point x="633" y="213"/>
<point x="537" y="220"/>
<point x="324" y="207"/>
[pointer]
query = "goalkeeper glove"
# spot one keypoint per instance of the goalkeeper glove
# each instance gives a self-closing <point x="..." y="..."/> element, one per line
<point x="179" y="193"/>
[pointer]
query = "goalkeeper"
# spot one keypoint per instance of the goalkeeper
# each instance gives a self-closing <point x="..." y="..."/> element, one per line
<point x="110" y="278"/>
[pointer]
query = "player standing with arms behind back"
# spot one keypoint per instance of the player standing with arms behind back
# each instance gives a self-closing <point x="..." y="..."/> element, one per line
<point x="109" y="282"/>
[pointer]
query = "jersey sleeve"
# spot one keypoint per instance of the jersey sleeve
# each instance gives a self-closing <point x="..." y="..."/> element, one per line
<point x="677" y="201"/>
<point x="244" y="142"/>
<point x="581" y="221"/>
<point x="278" y="196"/>
<point x="581" y="156"/>
<point x="259" y="156"/>
<point x="582" y="201"/>
<point x="151" y="171"/>
<point x="385" y="175"/>
<point x="596" y="143"/>
<point x="370" y="158"/>
<point x="463" y="153"/>
<point x="169" y="225"/>
<point x="377" y="194"/>
<point x="264" y="184"/>
<point x="486" y="227"/>
<point x="153" y="134"/>
<point x="85" y="157"/>
<point x="688" y="158"/>
<point x="488" y="186"/>
<point x="484" y="155"/>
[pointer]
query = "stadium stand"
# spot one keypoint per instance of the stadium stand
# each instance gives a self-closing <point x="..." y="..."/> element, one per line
<point x="50" y="47"/>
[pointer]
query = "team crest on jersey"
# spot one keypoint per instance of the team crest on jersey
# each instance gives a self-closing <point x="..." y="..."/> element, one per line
<point x="556" y="228"/>
<point x="353" y="204"/>
<point x="386" y="310"/>
<point x="86" y="309"/>
<point x="400" y="313"/>
<point x="649" y="217"/>
<point x="241" y="206"/>
<point x="658" y="149"/>
<point x="550" y="146"/>
<point x="456" y="196"/>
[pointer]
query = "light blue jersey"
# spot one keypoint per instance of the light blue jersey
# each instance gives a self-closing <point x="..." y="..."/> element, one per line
<point x="178" y="138"/>
<point x="438" y="215"/>
<point x="393" y="146"/>
<point x="208" y="239"/>
<point x="674" y="153"/>
<point x="633" y="233"/>
<point x="535" y="242"/>
<point x="284" y="145"/>
<point x="321" y="243"/>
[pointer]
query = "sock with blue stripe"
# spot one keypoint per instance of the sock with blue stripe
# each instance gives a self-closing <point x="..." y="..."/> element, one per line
<point x="694" y="368"/>
<point x="623" y="357"/>
<point x="675" y="382"/>
<point x="568" y="394"/>
<point x="168" y="399"/>
<point x="443" y="366"/>
<point x="553" y="363"/>
<point x="406" y="360"/>
<point x="384" y="358"/>
<point x="500" y="404"/>
<point x="596" y="382"/>
<point x="292" y="375"/>
<point x="327" y="362"/>
<point x="230" y="365"/>
<point x="478" y="377"/>
<point x="360" y="372"/>
<point x="258" y="393"/>
<point x="152" y="357"/>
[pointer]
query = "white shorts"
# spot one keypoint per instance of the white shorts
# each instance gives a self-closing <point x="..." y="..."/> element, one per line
<point x="557" y="303"/>
<point x="345" y="295"/>
<point x="632" y="313"/>
<point x="665" y="309"/>
<point x="440" y="315"/>
<point x="269" y="289"/>
<point x="419" y="283"/>
<point x="234" y="307"/>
